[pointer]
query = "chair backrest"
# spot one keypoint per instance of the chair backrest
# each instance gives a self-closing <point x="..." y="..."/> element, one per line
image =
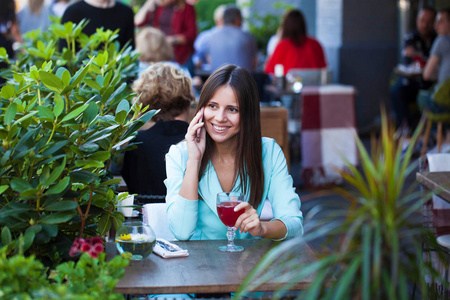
<point x="155" y="215"/>
<point x="307" y="77"/>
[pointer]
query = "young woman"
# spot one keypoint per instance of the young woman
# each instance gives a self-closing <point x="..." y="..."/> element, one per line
<point x="296" y="50"/>
<point x="177" y="19"/>
<point x="224" y="151"/>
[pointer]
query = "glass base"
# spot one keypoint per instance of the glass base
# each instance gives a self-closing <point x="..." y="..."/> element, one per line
<point x="233" y="248"/>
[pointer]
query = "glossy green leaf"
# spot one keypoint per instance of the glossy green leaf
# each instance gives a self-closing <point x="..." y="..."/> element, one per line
<point x="82" y="176"/>
<point x="10" y="113"/>
<point x="59" y="105"/>
<point x="51" y="81"/>
<point x="62" y="206"/>
<point x="6" y="236"/>
<point x="100" y="155"/>
<point x="92" y="84"/>
<point x="88" y="147"/>
<point x="46" y="113"/>
<point x="28" y="239"/>
<point x="116" y="92"/>
<point x="3" y="52"/>
<point x="7" y="92"/>
<point x="34" y="74"/>
<point x="56" y="173"/>
<point x="59" y="187"/>
<point x="80" y="74"/>
<point x="26" y="117"/>
<point x="3" y="188"/>
<point x="64" y="74"/>
<point x="88" y="163"/>
<point x="58" y="217"/>
<point x="104" y="223"/>
<point x="121" y="116"/>
<point x="118" y="145"/>
<point x="112" y="181"/>
<point x="28" y="193"/>
<point x="55" y="147"/>
<point x="90" y="113"/>
<point x="124" y="105"/>
<point x="75" y="113"/>
<point x="117" y="219"/>
<point x="20" y="185"/>
<point x="50" y="229"/>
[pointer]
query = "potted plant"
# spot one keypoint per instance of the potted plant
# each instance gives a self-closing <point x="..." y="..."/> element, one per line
<point x="374" y="248"/>
<point x="64" y="116"/>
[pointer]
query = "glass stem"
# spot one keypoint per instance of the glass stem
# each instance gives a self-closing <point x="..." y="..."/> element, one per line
<point x="230" y="235"/>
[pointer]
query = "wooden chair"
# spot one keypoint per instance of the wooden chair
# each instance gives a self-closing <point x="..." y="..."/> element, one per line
<point x="436" y="108"/>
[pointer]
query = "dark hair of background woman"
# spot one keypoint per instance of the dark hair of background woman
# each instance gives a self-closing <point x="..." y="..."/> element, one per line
<point x="249" y="145"/>
<point x="7" y="13"/>
<point x="294" y="27"/>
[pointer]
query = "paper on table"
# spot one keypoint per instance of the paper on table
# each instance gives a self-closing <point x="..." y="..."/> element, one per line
<point x="440" y="162"/>
<point x="167" y="249"/>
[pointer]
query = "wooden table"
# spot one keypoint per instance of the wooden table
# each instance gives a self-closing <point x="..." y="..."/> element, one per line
<point x="205" y="270"/>
<point x="437" y="182"/>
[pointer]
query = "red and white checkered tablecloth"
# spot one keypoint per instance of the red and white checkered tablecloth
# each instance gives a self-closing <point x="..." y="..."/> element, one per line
<point x="328" y="130"/>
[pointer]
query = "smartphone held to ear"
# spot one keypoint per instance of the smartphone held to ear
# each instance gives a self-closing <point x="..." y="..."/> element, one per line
<point x="199" y="130"/>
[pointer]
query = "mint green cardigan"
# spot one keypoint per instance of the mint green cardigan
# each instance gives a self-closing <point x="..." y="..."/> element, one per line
<point x="198" y="219"/>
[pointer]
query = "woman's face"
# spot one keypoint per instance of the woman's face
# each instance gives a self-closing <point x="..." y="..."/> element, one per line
<point x="221" y="115"/>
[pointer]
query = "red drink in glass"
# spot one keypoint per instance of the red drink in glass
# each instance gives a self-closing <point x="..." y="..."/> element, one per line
<point x="227" y="214"/>
<point x="225" y="203"/>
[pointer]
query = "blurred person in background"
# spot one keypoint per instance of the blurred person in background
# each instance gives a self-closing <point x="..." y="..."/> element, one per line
<point x="152" y="45"/>
<point x="9" y="30"/>
<point x="109" y="14"/>
<point x="177" y="19"/>
<point x="59" y="7"/>
<point x="229" y="44"/>
<point x="296" y="50"/>
<point x="199" y="57"/>
<point x="34" y="15"/>
<point x="417" y="45"/>
<point x="438" y="65"/>
<point x="168" y="88"/>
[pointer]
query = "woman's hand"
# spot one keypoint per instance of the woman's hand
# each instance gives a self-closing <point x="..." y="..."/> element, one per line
<point x="249" y="221"/>
<point x="196" y="137"/>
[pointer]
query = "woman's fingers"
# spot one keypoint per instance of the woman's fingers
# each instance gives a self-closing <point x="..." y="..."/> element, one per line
<point x="249" y="219"/>
<point x="194" y="132"/>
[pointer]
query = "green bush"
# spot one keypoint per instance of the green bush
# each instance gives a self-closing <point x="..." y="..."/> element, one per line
<point x="64" y="115"/>
<point x="26" y="278"/>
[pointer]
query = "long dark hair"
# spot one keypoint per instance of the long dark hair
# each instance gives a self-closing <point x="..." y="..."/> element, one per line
<point x="294" y="27"/>
<point x="249" y="146"/>
<point x="7" y="13"/>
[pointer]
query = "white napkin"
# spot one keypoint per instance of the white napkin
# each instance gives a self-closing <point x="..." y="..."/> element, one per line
<point x="167" y="249"/>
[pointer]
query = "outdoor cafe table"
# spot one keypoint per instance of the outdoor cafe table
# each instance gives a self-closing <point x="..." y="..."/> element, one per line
<point x="205" y="270"/>
<point x="438" y="182"/>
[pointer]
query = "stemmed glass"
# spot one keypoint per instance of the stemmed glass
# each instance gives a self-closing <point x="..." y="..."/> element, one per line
<point x="226" y="202"/>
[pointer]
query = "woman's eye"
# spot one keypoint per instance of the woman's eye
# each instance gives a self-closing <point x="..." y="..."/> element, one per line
<point x="211" y="106"/>
<point x="232" y="109"/>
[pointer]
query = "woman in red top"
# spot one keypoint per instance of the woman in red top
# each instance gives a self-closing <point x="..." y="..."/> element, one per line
<point x="177" y="20"/>
<point x="296" y="50"/>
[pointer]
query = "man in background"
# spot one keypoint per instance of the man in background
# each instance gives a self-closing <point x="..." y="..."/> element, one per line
<point x="229" y="44"/>
<point x="199" y="57"/>
<point x="417" y="45"/>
